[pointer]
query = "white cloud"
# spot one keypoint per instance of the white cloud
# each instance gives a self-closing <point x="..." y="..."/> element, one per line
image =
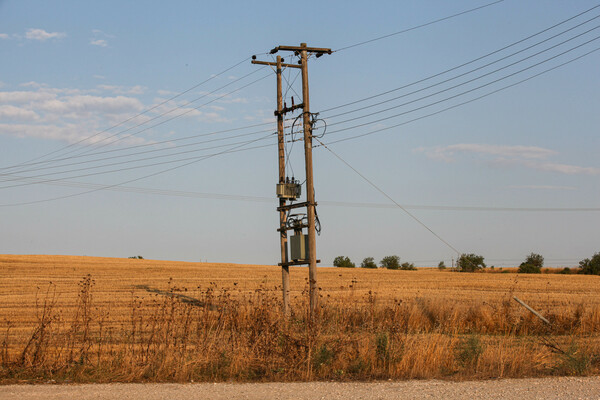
<point x="4" y="36"/>
<point x="99" y="42"/>
<point x="17" y="113"/>
<point x="526" y="156"/>
<point x="98" y="77"/>
<point x="100" y="38"/>
<point x="138" y="89"/>
<point x="447" y="153"/>
<point x="42" y="35"/>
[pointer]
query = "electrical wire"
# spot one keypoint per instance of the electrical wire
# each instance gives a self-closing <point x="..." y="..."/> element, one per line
<point x="128" y="168"/>
<point x="464" y="64"/>
<point x="465" y="92"/>
<point x="234" y="149"/>
<point x="322" y="203"/>
<point x="143" y="112"/>
<point x="465" y="102"/>
<point x="388" y="196"/>
<point x="474" y="70"/>
<point x="418" y="26"/>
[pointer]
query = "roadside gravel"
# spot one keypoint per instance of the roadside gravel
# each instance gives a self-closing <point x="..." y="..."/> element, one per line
<point x="521" y="389"/>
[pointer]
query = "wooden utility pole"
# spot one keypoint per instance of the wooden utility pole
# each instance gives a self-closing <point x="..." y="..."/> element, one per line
<point x="310" y="203"/>
<point x="310" y="189"/>
<point x="285" y="269"/>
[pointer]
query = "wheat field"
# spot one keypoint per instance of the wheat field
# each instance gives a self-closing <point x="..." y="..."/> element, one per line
<point x="108" y="319"/>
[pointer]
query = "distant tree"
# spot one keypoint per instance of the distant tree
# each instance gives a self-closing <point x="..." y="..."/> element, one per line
<point x="532" y="265"/>
<point x="408" y="266"/>
<point x="590" y="266"/>
<point x="343" y="262"/>
<point x="368" y="262"/>
<point x="390" y="262"/>
<point x="442" y="265"/>
<point x="136" y="257"/>
<point x="565" y="271"/>
<point x="470" y="263"/>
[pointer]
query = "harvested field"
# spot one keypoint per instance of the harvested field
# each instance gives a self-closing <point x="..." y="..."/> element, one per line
<point x="106" y="319"/>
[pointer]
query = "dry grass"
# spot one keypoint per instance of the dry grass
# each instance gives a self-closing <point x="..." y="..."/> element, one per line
<point x="99" y="319"/>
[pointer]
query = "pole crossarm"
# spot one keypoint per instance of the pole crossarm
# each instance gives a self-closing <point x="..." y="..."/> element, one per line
<point x="301" y="48"/>
<point x="274" y="64"/>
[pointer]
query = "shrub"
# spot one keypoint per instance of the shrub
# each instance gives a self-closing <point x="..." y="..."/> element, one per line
<point x="390" y="262"/>
<point x="532" y="265"/>
<point x="343" y="262"/>
<point x="441" y="265"/>
<point x="565" y="271"/>
<point x="590" y="267"/>
<point x="525" y="268"/>
<point x="470" y="263"/>
<point x="368" y="262"/>
<point x="408" y="266"/>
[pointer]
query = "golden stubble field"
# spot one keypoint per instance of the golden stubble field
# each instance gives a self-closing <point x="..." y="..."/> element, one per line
<point x="104" y="319"/>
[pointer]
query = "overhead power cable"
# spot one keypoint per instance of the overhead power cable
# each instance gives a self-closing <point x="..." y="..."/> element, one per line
<point x="129" y="168"/>
<point x="174" y="117"/>
<point x="144" y="145"/>
<point x="462" y="94"/>
<point x="455" y="105"/>
<point x="171" y="152"/>
<point x="141" y="113"/>
<point x="193" y="161"/>
<point x="464" y="64"/>
<point x="388" y="196"/>
<point x="471" y="71"/>
<point x="418" y="26"/>
<point x="324" y="203"/>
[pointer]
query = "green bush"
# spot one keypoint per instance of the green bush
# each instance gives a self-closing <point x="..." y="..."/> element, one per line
<point x="470" y="263"/>
<point x="590" y="267"/>
<point x="343" y="262"/>
<point x="441" y="265"/>
<point x="565" y="271"/>
<point x="532" y="265"/>
<point x="390" y="262"/>
<point x="368" y="262"/>
<point x="408" y="266"/>
<point x="529" y="269"/>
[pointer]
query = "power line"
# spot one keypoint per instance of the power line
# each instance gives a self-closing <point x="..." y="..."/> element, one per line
<point x="462" y="65"/>
<point x="130" y="168"/>
<point x="323" y="203"/>
<point x="419" y="26"/>
<point x="463" y="93"/>
<point x="177" y="116"/>
<point x="234" y="149"/>
<point x="469" y="72"/>
<point x="388" y="196"/>
<point x="465" y="102"/>
<point x="141" y="113"/>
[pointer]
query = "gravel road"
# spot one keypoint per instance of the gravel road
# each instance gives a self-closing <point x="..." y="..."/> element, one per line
<point x="521" y="389"/>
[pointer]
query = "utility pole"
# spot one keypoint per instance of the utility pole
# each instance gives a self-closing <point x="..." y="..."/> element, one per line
<point x="291" y="190"/>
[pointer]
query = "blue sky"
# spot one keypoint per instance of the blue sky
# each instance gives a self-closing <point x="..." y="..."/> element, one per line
<point x="479" y="174"/>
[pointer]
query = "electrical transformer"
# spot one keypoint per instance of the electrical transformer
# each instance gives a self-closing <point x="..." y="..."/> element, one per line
<point x="291" y="190"/>
<point x="299" y="247"/>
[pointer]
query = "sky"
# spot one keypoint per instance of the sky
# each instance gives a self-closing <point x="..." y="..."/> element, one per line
<point x="142" y="128"/>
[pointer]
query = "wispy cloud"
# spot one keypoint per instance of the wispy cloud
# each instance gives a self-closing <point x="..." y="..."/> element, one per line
<point x="137" y="89"/>
<point x="526" y="156"/>
<point x="100" y="38"/>
<point x="4" y="36"/>
<point x="41" y="35"/>
<point x="99" y="42"/>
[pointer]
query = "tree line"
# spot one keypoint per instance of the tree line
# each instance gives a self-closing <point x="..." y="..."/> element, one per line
<point x="532" y="264"/>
